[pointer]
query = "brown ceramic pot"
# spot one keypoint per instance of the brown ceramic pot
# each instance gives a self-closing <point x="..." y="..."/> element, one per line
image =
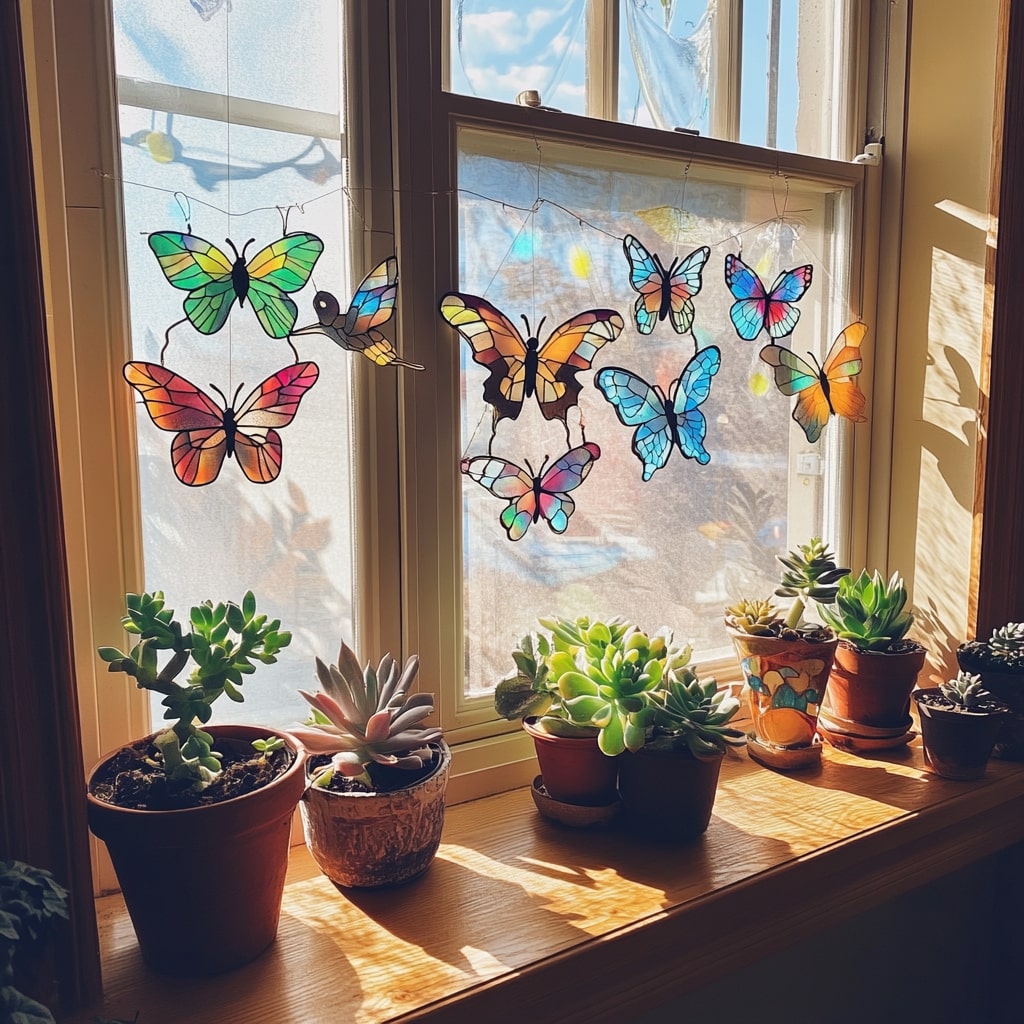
<point x="957" y="744"/>
<point x="368" y="840"/>
<point x="668" y="795"/>
<point x="871" y="688"/>
<point x="203" y="885"/>
<point x="573" y="768"/>
<point x="1009" y="688"/>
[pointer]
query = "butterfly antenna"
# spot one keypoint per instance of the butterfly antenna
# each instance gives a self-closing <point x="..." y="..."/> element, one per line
<point x="167" y="337"/>
<point x="223" y="398"/>
<point x="292" y="347"/>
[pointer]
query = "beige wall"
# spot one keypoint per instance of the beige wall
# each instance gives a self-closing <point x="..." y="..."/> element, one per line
<point x="940" y="310"/>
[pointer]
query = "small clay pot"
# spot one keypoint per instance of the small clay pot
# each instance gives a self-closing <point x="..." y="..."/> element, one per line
<point x="1009" y="688"/>
<point x="573" y="768"/>
<point x="872" y="688"/>
<point x="957" y="742"/>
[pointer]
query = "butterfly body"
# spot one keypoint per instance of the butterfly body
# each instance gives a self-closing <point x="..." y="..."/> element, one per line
<point x="757" y="308"/>
<point x="825" y="390"/>
<point x="357" y="329"/>
<point x="206" y="433"/>
<point x="533" y="496"/>
<point x="663" y="422"/>
<point x="663" y="293"/>
<point x="518" y="368"/>
<point x="215" y="281"/>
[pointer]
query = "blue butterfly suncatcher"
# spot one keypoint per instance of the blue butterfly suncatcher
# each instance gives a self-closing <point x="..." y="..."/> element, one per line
<point x="663" y="293"/>
<point x="663" y="422"/>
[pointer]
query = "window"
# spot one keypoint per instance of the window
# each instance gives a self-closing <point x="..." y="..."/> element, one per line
<point x="371" y="531"/>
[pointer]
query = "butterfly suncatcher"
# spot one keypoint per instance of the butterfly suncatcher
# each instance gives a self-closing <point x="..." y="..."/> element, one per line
<point x="822" y="390"/>
<point x="206" y="432"/>
<point x="532" y="496"/>
<point x="663" y="292"/>
<point x="372" y="305"/>
<point x="757" y="309"/>
<point x="520" y="369"/>
<point x="214" y="280"/>
<point x="663" y="422"/>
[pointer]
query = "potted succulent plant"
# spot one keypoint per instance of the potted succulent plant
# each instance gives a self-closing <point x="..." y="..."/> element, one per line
<point x="959" y="724"/>
<point x="668" y="784"/>
<point x="197" y="820"/>
<point x="373" y="810"/>
<point x="867" y="701"/>
<point x="785" y="661"/>
<point x="1000" y="663"/>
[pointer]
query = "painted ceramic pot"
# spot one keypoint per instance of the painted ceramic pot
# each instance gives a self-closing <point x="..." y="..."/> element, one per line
<point x="786" y="682"/>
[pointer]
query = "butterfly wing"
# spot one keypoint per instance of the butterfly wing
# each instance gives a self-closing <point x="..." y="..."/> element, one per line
<point x="691" y="391"/>
<point x="780" y="314"/>
<point x="173" y="403"/>
<point x="271" y="404"/>
<point x="570" y="349"/>
<point x="639" y="405"/>
<point x="200" y="268"/>
<point x="646" y="277"/>
<point x="283" y="266"/>
<point x="684" y="283"/>
<point x="566" y="474"/>
<point x="795" y="376"/>
<point x="374" y="302"/>
<point x="840" y="368"/>
<point x="509" y="481"/>
<point x="496" y="344"/>
<point x="747" y="312"/>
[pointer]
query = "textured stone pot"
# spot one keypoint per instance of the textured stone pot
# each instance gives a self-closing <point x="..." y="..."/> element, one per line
<point x="668" y="795"/>
<point x="957" y="744"/>
<point x="367" y="840"/>
<point x="871" y="688"/>
<point x="1009" y="688"/>
<point x="786" y="681"/>
<point x="203" y="885"/>
<point x="573" y="768"/>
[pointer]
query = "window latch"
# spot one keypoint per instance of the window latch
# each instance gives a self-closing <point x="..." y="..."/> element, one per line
<point x="872" y="155"/>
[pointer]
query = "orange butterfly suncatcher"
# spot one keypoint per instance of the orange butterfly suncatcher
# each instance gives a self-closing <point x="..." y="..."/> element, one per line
<point x="520" y="369"/>
<point x="206" y="432"/>
<point x="822" y="390"/>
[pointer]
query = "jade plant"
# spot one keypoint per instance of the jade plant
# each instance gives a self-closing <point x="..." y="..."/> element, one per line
<point x="366" y="716"/>
<point x="810" y="575"/>
<point x="687" y="712"/>
<point x="869" y="611"/>
<point x="1002" y="652"/>
<point x="222" y="642"/>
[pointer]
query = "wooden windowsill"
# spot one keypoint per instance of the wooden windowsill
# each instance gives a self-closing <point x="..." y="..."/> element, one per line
<point x="518" y="913"/>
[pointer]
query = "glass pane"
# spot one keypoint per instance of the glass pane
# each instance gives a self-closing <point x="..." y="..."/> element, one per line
<point x="291" y="540"/>
<point x="670" y="551"/>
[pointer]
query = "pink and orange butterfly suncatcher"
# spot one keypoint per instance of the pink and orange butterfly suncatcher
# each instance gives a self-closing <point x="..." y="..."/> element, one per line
<point x="206" y="433"/>
<point x="758" y="309"/>
<point x="663" y="293"/>
<point x="822" y="391"/>
<point x="532" y="496"/>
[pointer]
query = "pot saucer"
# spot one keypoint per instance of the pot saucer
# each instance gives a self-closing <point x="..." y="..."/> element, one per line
<point x="574" y="815"/>
<point x="863" y="744"/>
<point x="784" y="759"/>
<point x="832" y="723"/>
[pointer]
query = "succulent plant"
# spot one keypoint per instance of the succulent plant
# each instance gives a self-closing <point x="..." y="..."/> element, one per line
<point x="810" y="574"/>
<point x="1008" y="639"/>
<point x="365" y="716"/>
<point x="869" y="611"/>
<point x="752" y="616"/>
<point x="1002" y="652"/>
<point x="966" y="691"/>
<point x="531" y="690"/>
<point x="687" y="711"/>
<point x="605" y="672"/>
<point x="223" y="642"/>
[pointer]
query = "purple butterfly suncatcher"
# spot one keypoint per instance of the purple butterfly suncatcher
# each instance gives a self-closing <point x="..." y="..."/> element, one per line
<point x="757" y="309"/>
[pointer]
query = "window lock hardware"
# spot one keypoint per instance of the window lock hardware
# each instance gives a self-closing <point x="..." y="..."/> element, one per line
<point x="808" y="464"/>
<point x="872" y="155"/>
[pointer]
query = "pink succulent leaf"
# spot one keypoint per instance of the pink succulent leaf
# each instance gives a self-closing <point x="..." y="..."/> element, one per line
<point x="348" y="764"/>
<point x="420" y="700"/>
<point x="389" y="685"/>
<point x="324" y="740"/>
<point x="327" y="705"/>
<point x="334" y="685"/>
<point x="378" y="728"/>
<point x="410" y="739"/>
<point x="381" y="758"/>
<point x="368" y="697"/>
<point x="348" y="663"/>
<point x="409" y="717"/>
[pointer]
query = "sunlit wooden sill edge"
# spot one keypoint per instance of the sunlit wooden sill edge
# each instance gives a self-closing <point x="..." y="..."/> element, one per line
<point x="518" y="912"/>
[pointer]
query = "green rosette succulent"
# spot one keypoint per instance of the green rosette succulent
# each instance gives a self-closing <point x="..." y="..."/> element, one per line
<point x="869" y="611"/>
<point x="695" y="714"/>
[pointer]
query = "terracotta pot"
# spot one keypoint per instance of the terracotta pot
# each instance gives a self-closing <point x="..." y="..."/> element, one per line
<point x="786" y="681"/>
<point x="668" y="795"/>
<point x="367" y="840"/>
<point x="1009" y="688"/>
<point x="957" y="744"/>
<point x="573" y="768"/>
<point x="871" y="688"/>
<point x="203" y="885"/>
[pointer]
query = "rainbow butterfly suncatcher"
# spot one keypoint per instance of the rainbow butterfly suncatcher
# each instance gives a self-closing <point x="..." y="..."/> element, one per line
<point x="532" y="496"/>
<point x="206" y="433"/>
<point x="372" y="305"/>
<point x="520" y="369"/>
<point x="663" y="422"/>
<point x="822" y="390"/>
<point x="663" y="293"/>
<point x="757" y="309"/>
<point x="214" y="280"/>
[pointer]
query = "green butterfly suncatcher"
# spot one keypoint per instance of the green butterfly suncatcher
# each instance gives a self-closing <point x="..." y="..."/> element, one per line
<point x="214" y="280"/>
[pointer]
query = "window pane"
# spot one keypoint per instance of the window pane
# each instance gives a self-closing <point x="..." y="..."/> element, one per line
<point x="290" y="540"/>
<point x="673" y="550"/>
